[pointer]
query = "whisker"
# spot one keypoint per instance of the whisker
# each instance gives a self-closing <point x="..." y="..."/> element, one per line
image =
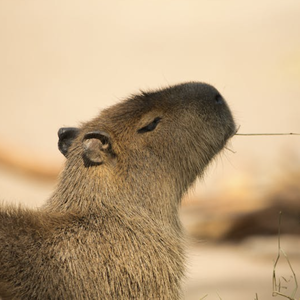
<point x="230" y="150"/>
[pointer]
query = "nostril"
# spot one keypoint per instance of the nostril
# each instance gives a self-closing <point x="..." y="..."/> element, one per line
<point x="219" y="99"/>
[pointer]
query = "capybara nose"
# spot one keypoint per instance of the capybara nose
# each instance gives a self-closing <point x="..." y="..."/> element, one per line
<point x="219" y="99"/>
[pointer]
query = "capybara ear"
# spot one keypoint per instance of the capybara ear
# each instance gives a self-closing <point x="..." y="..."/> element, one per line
<point x="66" y="136"/>
<point x="96" y="144"/>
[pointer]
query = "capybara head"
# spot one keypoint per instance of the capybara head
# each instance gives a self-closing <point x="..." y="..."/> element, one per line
<point x="159" y="140"/>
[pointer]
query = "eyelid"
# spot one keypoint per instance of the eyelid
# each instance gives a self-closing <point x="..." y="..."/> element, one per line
<point x="151" y="126"/>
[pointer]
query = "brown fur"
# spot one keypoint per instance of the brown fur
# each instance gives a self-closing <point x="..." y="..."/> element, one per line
<point x="111" y="229"/>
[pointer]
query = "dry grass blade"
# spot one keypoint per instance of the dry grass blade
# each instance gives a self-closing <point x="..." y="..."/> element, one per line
<point x="277" y="287"/>
<point x="259" y="134"/>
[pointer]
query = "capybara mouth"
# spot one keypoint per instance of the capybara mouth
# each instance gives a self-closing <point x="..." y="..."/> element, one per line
<point x="233" y="130"/>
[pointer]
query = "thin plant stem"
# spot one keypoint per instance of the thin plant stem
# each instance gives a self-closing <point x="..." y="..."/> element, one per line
<point x="277" y="284"/>
<point x="260" y="134"/>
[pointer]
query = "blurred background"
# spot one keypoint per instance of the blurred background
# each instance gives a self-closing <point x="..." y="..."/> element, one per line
<point x="61" y="62"/>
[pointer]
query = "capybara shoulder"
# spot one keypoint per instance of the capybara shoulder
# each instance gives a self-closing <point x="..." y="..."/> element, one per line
<point x="111" y="228"/>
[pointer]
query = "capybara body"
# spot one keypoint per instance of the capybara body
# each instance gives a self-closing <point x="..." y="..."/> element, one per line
<point x="111" y="229"/>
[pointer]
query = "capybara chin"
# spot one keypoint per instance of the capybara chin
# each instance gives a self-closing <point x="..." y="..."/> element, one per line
<point x="111" y="228"/>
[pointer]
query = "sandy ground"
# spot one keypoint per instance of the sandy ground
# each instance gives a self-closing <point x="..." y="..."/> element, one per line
<point x="62" y="61"/>
<point x="241" y="271"/>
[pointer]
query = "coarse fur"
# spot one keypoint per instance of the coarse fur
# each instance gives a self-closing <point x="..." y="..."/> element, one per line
<point x="111" y="229"/>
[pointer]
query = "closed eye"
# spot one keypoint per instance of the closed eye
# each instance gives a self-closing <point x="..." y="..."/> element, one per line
<point x="150" y="127"/>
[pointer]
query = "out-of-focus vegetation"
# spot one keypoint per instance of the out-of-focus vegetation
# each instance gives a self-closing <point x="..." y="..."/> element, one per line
<point x="235" y="217"/>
